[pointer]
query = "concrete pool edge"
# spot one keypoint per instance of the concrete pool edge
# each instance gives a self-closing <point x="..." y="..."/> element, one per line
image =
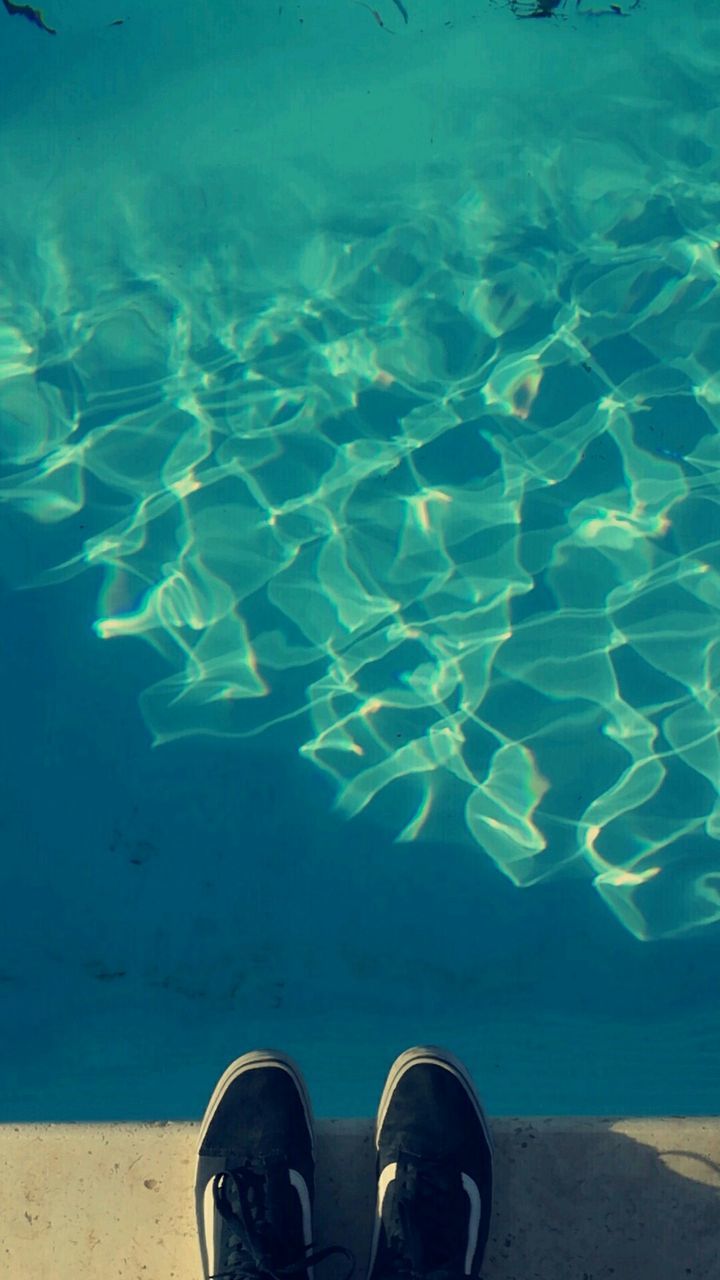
<point x="575" y="1197"/>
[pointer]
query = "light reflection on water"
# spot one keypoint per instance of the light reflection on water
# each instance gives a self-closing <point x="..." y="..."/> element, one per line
<point x="410" y="448"/>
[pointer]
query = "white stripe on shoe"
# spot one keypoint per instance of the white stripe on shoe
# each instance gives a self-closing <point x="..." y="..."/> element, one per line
<point x="213" y="1223"/>
<point x="472" y="1191"/>
<point x="211" y="1232"/>
<point x="387" y="1175"/>
<point x="298" y="1182"/>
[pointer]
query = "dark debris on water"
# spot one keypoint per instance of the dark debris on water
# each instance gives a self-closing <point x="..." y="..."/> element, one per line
<point x="520" y="8"/>
<point x="33" y="15"/>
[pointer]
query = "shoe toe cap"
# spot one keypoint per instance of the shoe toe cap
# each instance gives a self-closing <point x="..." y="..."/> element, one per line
<point x="261" y="1114"/>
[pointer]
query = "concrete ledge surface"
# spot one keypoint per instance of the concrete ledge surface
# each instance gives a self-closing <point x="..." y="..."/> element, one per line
<point x="576" y="1199"/>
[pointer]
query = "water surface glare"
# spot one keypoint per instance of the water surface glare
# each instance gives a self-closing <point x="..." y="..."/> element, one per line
<point x="369" y="371"/>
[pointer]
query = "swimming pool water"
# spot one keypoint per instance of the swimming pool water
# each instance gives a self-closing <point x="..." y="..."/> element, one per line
<point x="359" y="540"/>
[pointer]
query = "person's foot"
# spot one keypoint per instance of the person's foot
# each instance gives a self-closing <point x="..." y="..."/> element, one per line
<point x="255" y="1175"/>
<point x="434" y="1170"/>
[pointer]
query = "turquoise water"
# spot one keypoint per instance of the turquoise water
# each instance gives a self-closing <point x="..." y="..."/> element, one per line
<point x="359" y="540"/>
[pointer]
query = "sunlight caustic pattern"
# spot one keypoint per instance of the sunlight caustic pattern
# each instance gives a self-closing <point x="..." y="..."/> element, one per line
<point x="441" y="501"/>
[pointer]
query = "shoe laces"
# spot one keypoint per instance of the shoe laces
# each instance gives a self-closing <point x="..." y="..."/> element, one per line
<point x="420" y="1233"/>
<point x="241" y="1199"/>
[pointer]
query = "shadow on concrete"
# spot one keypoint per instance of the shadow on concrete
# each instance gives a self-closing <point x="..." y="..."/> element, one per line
<point x="575" y="1199"/>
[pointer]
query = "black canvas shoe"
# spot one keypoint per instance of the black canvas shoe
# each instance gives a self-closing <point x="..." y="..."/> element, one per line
<point x="434" y="1171"/>
<point x="255" y="1176"/>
